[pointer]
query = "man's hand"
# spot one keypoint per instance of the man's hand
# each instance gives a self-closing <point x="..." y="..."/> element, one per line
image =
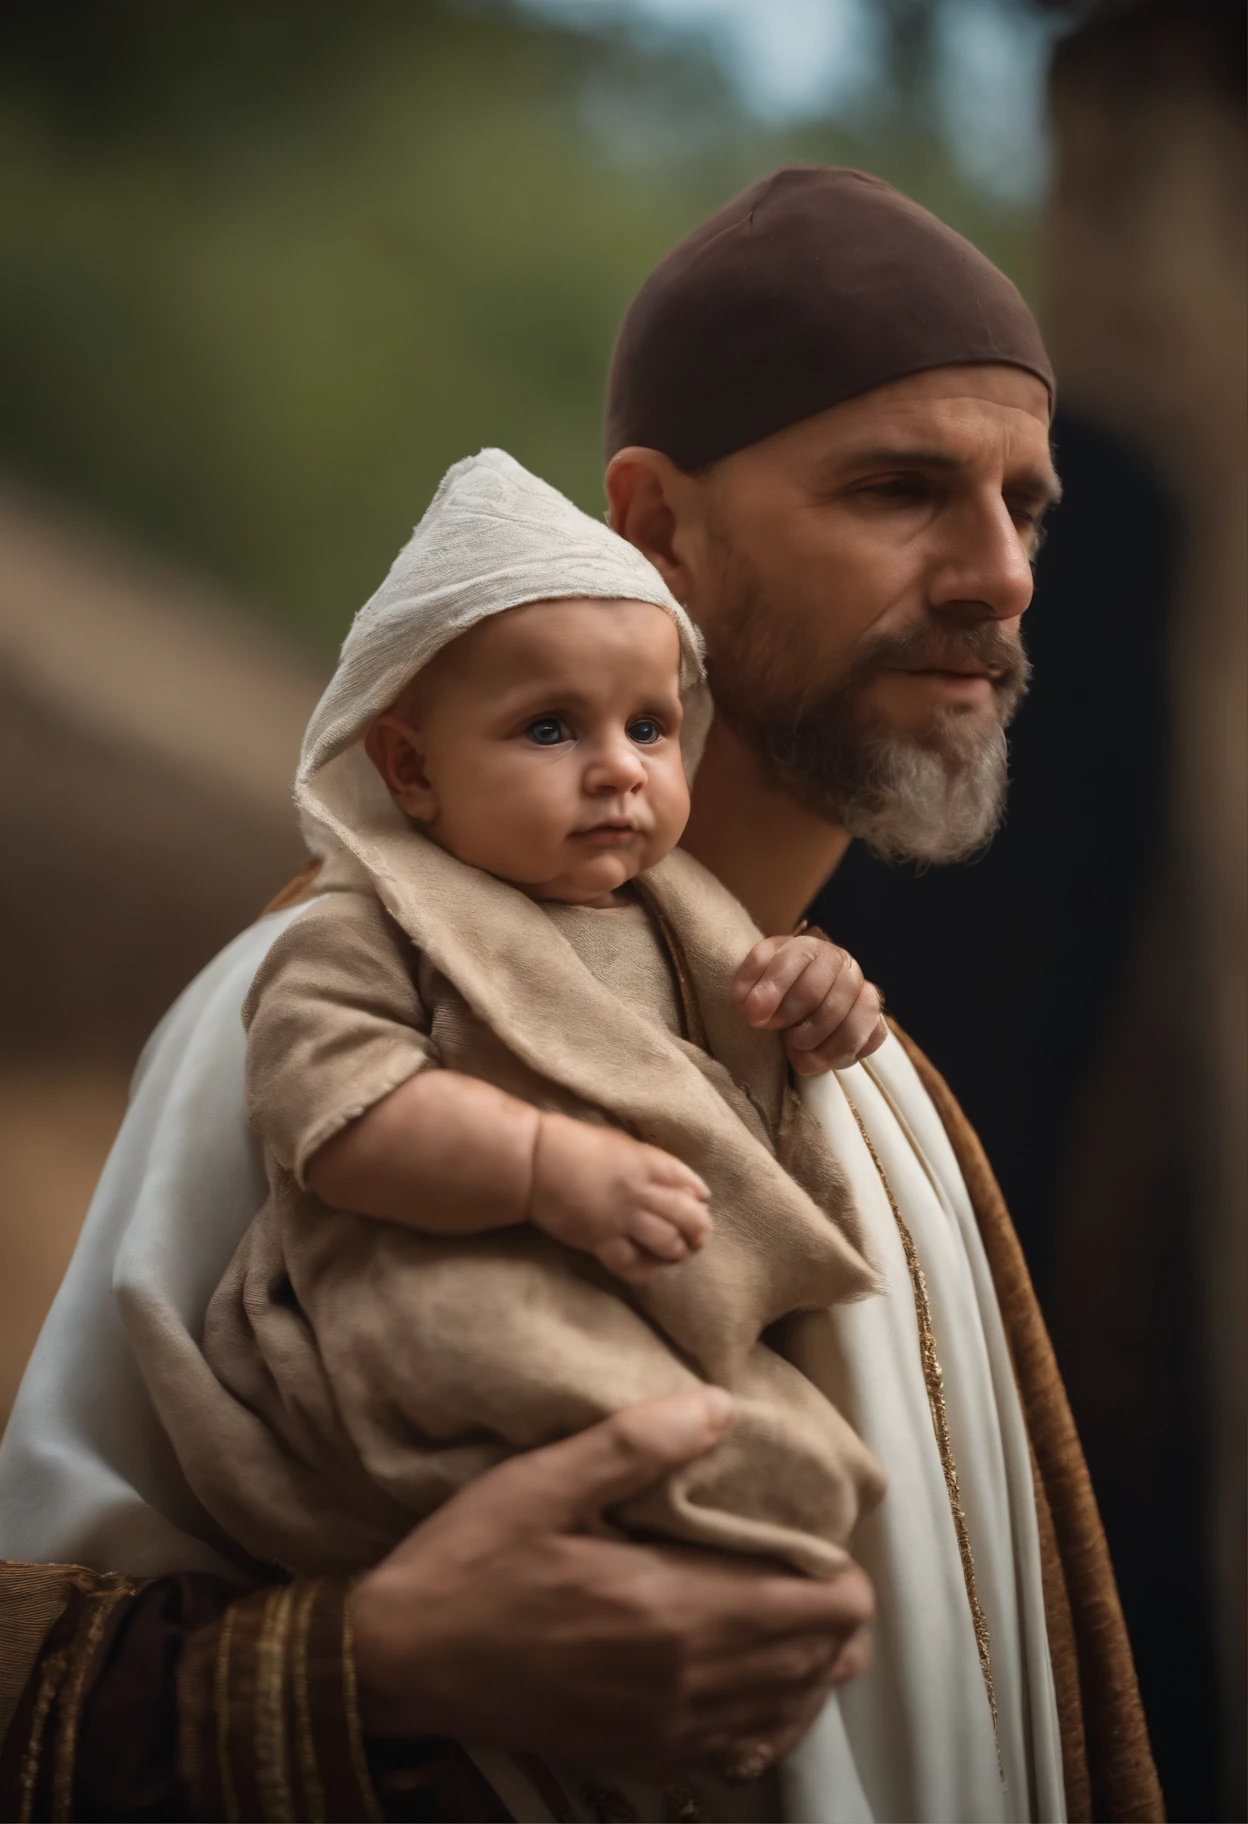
<point x="815" y="994"/>
<point x="635" y="1207"/>
<point x="500" y="1620"/>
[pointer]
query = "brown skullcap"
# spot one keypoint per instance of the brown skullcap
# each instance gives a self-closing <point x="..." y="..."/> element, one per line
<point x="815" y="284"/>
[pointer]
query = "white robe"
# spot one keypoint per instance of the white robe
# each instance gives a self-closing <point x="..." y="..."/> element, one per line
<point x="87" y="1476"/>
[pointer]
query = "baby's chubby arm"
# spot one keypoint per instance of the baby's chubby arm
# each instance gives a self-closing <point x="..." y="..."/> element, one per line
<point x="815" y="994"/>
<point x="450" y="1155"/>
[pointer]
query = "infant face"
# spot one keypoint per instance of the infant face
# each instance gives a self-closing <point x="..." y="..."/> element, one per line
<point x="543" y="746"/>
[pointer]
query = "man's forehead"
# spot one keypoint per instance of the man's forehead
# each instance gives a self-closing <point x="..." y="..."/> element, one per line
<point x="948" y="418"/>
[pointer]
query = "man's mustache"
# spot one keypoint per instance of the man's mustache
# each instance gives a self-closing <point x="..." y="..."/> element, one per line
<point x="980" y="645"/>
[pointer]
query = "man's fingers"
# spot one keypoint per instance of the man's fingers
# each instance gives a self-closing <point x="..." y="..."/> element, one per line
<point x="564" y="1486"/>
<point x="782" y="1737"/>
<point x="777" y="1728"/>
<point x="852" y="1660"/>
<point x="760" y="1611"/>
<point x="790" y="1685"/>
<point x="783" y="1673"/>
<point x="783" y="1666"/>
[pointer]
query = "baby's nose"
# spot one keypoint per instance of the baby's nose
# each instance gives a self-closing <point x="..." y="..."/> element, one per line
<point x="616" y="767"/>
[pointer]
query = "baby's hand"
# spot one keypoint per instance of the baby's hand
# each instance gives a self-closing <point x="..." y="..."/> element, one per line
<point x="814" y="993"/>
<point x="635" y="1208"/>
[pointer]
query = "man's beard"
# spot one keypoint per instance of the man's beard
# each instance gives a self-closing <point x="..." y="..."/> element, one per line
<point x="935" y="795"/>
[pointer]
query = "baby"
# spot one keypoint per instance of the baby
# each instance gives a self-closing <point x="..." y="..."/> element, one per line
<point x="550" y="1052"/>
<point x="543" y="746"/>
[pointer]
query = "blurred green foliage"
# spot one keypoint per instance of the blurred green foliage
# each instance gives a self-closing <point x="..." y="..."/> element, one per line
<point x="268" y="266"/>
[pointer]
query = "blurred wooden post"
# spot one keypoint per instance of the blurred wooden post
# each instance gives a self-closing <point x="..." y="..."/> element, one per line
<point x="1146" y="319"/>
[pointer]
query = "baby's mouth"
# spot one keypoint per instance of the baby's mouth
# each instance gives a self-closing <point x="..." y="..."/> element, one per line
<point x="608" y="835"/>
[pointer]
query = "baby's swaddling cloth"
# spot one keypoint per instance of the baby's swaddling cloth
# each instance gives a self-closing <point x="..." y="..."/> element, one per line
<point x="355" y="1373"/>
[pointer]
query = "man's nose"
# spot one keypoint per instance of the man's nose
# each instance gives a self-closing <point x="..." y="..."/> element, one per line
<point x="615" y="766"/>
<point x="985" y="571"/>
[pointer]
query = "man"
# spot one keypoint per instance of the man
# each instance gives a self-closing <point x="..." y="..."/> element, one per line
<point x="828" y="427"/>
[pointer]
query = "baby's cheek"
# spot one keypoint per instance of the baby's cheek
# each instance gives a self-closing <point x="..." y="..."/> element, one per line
<point x="515" y="818"/>
<point x="669" y="796"/>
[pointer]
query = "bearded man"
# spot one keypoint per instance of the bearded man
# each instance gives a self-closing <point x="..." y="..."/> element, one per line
<point x="827" y="427"/>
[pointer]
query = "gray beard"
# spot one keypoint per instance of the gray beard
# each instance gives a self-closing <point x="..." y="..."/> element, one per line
<point x="936" y="799"/>
<point x="937" y="796"/>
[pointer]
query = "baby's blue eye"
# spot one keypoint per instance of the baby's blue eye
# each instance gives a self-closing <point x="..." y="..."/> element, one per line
<point x="644" y="731"/>
<point x="547" y="731"/>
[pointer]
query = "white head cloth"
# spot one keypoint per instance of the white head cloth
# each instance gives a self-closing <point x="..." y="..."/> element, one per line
<point x="494" y="537"/>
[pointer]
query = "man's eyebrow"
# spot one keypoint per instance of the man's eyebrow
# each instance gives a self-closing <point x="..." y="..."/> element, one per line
<point x="1041" y="485"/>
<point x="898" y="456"/>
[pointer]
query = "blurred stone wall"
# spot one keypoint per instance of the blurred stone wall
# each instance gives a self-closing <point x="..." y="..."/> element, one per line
<point x="148" y="737"/>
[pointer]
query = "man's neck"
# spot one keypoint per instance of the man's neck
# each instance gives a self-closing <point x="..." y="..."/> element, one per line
<point x="764" y="847"/>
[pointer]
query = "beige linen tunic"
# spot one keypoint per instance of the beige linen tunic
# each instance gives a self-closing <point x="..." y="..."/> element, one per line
<point x="320" y="1052"/>
<point x="355" y="1373"/>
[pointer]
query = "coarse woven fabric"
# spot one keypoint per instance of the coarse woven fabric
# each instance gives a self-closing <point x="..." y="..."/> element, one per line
<point x="494" y="537"/>
<point x="816" y="284"/>
<point x="353" y="1374"/>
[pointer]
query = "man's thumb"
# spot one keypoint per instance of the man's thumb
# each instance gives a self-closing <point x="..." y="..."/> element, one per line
<point x="566" y="1485"/>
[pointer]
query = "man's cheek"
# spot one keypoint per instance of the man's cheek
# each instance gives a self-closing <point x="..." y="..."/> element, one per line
<point x="822" y="636"/>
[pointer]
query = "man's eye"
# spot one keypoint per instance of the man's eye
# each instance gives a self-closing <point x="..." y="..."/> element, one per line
<point x="546" y="731"/>
<point x="645" y="731"/>
<point x="897" y="487"/>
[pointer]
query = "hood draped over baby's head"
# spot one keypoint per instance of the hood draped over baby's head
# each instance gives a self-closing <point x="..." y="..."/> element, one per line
<point x="494" y="537"/>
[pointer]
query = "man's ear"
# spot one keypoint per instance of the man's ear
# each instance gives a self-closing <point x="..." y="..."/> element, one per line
<point x="653" y="505"/>
<point x="393" y="746"/>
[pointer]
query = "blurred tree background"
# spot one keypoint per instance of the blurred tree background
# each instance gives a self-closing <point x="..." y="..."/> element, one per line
<point x="268" y="266"/>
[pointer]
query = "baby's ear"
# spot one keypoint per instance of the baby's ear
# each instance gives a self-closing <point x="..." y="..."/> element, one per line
<point x="393" y="746"/>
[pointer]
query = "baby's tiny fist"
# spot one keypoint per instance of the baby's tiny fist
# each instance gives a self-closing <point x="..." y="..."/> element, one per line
<point x="668" y="1221"/>
<point x="634" y="1207"/>
<point x="832" y="1039"/>
<point x="813" y="992"/>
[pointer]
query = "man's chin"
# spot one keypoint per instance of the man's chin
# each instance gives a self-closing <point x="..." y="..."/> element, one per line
<point x="954" y="733"/>
<point x="932" y="796"/>
<point x="933" y="800"/>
